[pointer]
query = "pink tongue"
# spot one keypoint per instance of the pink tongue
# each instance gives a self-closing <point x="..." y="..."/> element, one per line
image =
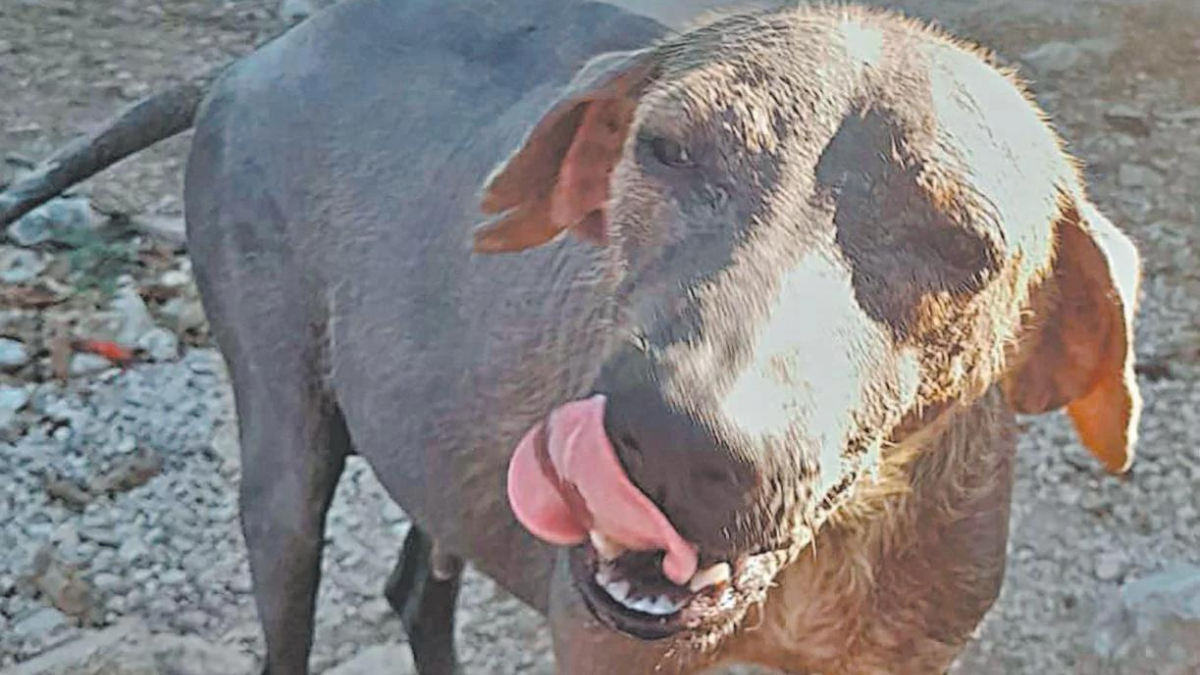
<point x="578" y="484"/>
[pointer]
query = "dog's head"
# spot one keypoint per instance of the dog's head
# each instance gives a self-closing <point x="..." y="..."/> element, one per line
<point x="823" y="227"/>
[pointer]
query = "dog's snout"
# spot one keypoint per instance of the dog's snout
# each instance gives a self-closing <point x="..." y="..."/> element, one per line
<point x="692" y="474"/>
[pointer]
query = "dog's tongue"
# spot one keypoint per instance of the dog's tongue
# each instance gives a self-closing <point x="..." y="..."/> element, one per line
<point x="565" y="479"/>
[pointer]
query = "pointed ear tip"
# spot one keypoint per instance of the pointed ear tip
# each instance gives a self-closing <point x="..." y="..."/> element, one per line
<point x="1122" y="467"/>
<point x="1116" y="454"/>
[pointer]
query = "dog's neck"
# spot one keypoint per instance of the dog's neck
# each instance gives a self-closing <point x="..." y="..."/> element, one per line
<point x="929" y="527"/>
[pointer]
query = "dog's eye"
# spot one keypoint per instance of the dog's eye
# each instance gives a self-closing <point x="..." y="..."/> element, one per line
<point x="669" y="152"/>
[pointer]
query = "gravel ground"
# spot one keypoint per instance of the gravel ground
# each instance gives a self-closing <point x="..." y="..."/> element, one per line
<point x="156" y="537"/>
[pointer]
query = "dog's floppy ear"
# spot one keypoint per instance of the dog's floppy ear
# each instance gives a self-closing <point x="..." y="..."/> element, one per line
<point x="1078" y="350"/>
<point x="558" y="178"/>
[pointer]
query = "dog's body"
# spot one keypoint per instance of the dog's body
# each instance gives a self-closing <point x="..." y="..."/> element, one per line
<point x="331" y="191"/>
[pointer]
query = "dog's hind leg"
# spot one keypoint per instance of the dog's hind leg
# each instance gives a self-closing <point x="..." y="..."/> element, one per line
<point x="423" y="589"/>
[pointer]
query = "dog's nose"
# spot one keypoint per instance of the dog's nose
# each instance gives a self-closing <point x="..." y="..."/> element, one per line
<point x="679" y="462"/>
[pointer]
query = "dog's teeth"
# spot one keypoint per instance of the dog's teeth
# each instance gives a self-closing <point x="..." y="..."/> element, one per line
<point x="639" y="604"/>
<point x="710" y="577"/>
<point x="622" y="590"/>
<point x="605" y="546"/>
<point x="619" y="590"/>
<point x="659" y="605"/>
<point x="604" y="575"/>
<point x="663" y="606"/>
<point x="643" y="605"/>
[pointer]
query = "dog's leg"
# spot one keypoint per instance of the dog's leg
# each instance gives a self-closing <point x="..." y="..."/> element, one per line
<point x="423" y="589"/>
<point x="293" y="451"/>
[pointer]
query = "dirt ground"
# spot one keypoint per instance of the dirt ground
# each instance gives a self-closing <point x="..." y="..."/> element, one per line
<point x="1121" y="79"/>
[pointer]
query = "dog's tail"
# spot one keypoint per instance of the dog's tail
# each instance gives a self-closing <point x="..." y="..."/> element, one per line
<point x="137" y="127"/>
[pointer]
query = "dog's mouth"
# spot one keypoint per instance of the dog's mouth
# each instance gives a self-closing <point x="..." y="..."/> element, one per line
<point x="633" y="569"/>
<point x="629" y="593"/>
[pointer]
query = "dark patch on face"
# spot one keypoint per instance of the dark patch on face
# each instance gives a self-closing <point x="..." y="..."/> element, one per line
<point x="697" y="303"/>
<point x="903" y="248"/>
<point x="702" y="213"/>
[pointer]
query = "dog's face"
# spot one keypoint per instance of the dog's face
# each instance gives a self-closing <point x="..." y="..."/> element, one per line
<point x="824" y="230"/>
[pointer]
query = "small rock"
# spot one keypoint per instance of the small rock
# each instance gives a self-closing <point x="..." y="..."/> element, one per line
<point x="87" y="364"/>
<point x="173" y="577"/>
<point x="183" y="314"/>
<point x="106" y="582"/>
<point x="226" y="448"/>
<point x="174" y="279"/>
<point x="183" y="544"/>
<point x="241" y="584"/>
<point x="204" y="361"/>
<point x="13" y="354"/>
<point x="389" y="658"/>
<point x="130" y="471"/>
<point x="63" y="585"/>
<point x="1128" y="119"/>
<point x="170" y="230"/>
<point x="295" y="11"/>
<point x="162" y="605"/>
<point x="1093" y="501"/>
<point x="1109" y="567"/>
<point x="1187" y="513"/>
<point x="68" y="492"/>
<point x="12" y="399"/>
<point x="133" y="90"/>
<point x="39" y="624"/>
<point x="119" y="604"/>
<point x="135" y="318"/>
<point x="101" y="534"/>
<point x="159" y="344"/>
<point x="126" y="445"/>
<point x="19" y="265"/>
<point x="243" y="633"/>
<point x="57" y="409"/>
<point x="376" y="611"/>
<point x="347" y="650"/>
<point x="1151" y="626"/>
<point x="99" y="516"/>
<point x="191" y="621"/>
<point x="132" y="550"/>
<point x="52" y="221"/>
<point x="1132" y="175"/>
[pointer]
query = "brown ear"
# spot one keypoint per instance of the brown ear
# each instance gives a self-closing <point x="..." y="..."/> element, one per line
<point x="1080" y="351"/>
<point x="558" y="178"/>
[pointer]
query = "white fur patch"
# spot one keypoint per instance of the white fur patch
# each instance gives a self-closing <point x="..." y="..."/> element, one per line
<point x="864" y="45"/>
<point x="808" y="360"/>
